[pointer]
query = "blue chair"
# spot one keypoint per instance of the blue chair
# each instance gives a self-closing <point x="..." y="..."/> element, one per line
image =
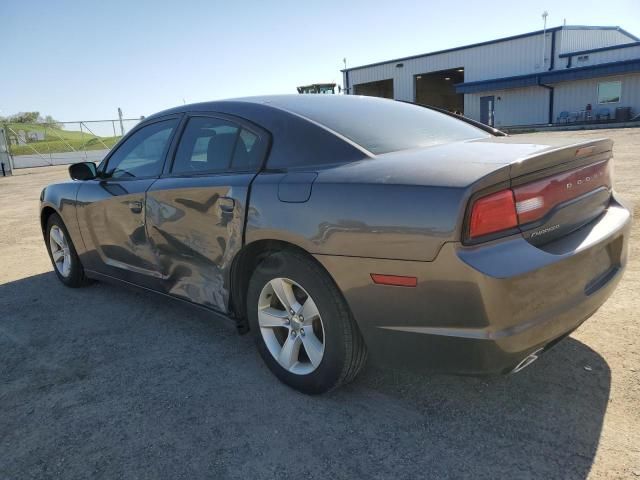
<point x="563" y="117"/>
<point x="603" y="112"/>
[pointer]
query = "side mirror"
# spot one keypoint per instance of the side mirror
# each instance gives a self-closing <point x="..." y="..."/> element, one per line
<point x="83" y="171"/>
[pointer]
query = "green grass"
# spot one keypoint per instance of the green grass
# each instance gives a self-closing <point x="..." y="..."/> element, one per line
<point x="57" y="140"/>
<point x="50" y="132"/>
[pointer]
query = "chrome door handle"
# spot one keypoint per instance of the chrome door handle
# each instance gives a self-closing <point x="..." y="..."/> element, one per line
<point x="135" y="206"/>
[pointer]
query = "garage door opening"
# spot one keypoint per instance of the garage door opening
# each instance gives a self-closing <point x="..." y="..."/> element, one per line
<point x="381" y="88"/>
<point x="437" y="89"/>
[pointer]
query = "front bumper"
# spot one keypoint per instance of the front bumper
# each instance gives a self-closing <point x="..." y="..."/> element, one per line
<point x="482" y="309"/>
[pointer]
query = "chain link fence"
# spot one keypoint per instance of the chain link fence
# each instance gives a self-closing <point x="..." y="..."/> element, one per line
<point x="5" y="160"/>
<point x="59" y="143"/>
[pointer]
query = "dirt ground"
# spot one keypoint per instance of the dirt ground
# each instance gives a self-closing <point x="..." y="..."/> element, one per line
<point x="105" y="383"/>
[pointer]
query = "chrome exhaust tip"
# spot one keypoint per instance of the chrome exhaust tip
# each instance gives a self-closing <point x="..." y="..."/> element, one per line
<point x="528" y="360"/>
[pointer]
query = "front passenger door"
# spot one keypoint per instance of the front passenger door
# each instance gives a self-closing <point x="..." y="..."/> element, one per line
<point x="111" y="208"/>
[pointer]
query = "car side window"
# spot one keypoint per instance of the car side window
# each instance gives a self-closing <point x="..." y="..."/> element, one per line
<point x="207" y="145"/>
<point x="210" y="145"/>
<point x="142" y="154"/>
<point x="248" y="153"/>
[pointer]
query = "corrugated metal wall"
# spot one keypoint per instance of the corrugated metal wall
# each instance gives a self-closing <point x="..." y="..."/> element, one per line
<point x="529" y="106"/>
<point x="574" y="96"/>
<point x="575" y="40"/>
<point x="594" y="58"/>
<point x="504" y="59"/>
<point x="518" y="56"/>
<point x="518" y="106"/>
<point x="514" y="57"/>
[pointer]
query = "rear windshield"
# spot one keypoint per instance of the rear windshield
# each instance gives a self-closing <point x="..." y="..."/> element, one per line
<point x="380" y="125"/>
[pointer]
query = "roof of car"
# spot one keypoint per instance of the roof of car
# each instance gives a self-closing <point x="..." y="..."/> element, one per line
<point x="293" y="102"/>
<point x="314" y="108"/>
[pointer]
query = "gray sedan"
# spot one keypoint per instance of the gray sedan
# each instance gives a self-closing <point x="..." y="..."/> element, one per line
<point x="340" y="228"/>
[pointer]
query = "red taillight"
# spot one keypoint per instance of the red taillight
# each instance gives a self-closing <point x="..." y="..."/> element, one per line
<point x="493" y="213"/>
<point x="535" y="200"/>
<point x="530" y="202"/>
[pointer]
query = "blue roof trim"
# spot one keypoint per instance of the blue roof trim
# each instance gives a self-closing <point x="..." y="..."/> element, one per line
<point x="555" y="76"/>
<point x="498" y="40"/>
<point x="601" y="49"/>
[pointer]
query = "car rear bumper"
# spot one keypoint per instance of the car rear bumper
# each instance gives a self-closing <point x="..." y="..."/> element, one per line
<point x="483" y="309"/>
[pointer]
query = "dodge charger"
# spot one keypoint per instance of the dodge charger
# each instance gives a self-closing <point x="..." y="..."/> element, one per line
<point x="336" y="229"/>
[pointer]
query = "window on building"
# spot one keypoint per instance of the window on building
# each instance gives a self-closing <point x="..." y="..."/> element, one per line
<point x="609" y="92"/>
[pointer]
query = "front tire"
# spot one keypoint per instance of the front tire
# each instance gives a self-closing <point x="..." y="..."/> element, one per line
<point x="62" y="253"/>
<point x="302" y="325"/>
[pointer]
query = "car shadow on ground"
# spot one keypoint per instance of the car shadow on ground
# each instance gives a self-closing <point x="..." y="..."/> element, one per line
<point x="106" y="382"/>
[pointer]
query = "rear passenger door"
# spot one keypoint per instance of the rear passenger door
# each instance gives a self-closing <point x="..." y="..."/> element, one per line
<point x="196" y="210"/>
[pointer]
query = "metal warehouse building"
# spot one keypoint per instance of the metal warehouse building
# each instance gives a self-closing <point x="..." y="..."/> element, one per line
<point x="562" y="74"/>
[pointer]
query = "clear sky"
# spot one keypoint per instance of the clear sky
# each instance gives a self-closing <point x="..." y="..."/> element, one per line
<point x="81" y="60"/>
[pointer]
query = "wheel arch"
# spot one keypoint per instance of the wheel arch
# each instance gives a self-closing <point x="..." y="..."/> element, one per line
<point x="245" y="262"/>
<point x="45" y="214"/>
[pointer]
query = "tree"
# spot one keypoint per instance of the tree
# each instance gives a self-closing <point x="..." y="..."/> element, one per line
<point x="25" y="117"/>
<point x="52" y="122"/>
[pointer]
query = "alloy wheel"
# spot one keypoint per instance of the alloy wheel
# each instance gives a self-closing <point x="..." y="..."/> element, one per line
<point x="60" y="251"/>
<point x="291" y="326"/>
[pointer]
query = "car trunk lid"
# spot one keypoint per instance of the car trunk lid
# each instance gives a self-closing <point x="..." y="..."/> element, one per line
<point x="562" y="189"/>
<point x="460" y="173"/>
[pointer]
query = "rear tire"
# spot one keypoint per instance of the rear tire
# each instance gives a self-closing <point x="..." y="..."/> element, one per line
<point x="312" y="354"/>
<point x="63" y="255"/>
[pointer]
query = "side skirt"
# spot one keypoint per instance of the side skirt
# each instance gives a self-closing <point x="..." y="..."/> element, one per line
<point x="132" y="286"/>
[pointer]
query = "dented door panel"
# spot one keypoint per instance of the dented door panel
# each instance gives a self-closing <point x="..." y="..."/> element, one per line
<point x="195" y="226"/>
<point x="112" y="221"/>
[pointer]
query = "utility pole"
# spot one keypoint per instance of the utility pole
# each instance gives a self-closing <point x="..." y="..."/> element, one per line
<point x="121" y="124"/>
<point x="345" y="79"/>
<point x="545" y="14"/>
